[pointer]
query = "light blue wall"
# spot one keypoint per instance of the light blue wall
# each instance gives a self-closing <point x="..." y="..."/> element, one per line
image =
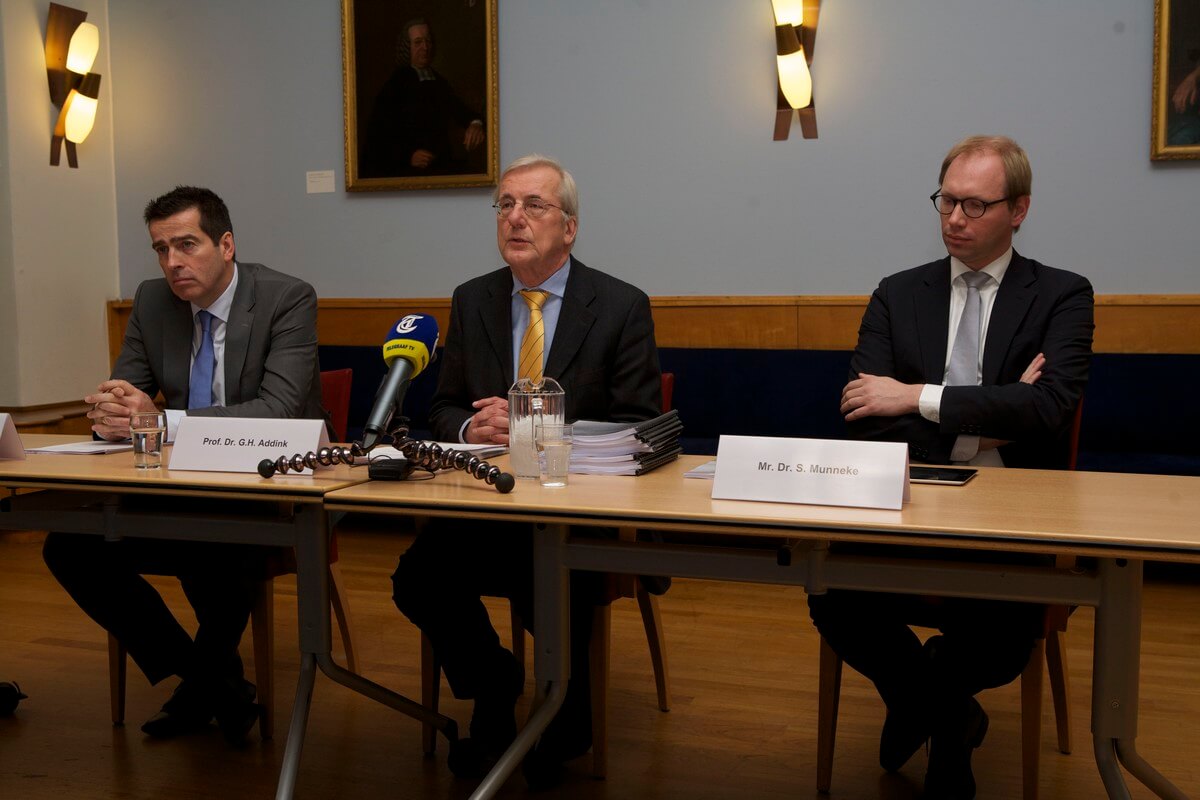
<point x="663" y="109"/>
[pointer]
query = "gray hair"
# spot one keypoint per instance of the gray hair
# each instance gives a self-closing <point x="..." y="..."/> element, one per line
<point x="567" y="189"/>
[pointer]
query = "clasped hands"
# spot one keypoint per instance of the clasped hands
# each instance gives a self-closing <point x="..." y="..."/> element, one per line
<point x="489" y="424"/>
<point x="112" y="404"/>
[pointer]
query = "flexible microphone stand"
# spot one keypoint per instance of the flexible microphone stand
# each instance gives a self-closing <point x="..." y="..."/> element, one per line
<point x="427" y="455"/>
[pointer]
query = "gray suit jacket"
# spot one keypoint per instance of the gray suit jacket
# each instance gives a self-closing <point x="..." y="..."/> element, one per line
<point x="271" y="367"/>
<point x="603" y="353"/>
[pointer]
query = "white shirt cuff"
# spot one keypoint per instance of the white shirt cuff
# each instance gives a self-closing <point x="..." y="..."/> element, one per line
<point x="930" y="403"/>
<point x="462" y="432"/>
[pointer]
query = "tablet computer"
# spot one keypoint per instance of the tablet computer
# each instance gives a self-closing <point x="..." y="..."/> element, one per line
<point x="952" y="476"/>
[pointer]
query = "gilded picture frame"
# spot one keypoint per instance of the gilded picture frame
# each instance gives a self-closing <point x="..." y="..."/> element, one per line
<point x="420" y="94"/>
<point x="1175" y="117"/>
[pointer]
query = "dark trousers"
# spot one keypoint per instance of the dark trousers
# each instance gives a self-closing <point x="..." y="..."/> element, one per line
<point x="983" y="644"/>
<point x="105" y="579"/>
<point x="438" y="585"/>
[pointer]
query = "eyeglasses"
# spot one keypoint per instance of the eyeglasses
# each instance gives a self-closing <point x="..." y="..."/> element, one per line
<point x="535" y="207"/>
<point x="971" y="206"/>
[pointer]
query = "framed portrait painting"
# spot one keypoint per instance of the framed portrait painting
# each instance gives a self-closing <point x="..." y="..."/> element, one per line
<point x="420" y="94"/>
<point x="1175" y="120"/>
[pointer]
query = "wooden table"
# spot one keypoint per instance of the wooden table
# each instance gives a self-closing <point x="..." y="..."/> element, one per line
<point x="84" y="493"/>
<point x="1119" y="519"/>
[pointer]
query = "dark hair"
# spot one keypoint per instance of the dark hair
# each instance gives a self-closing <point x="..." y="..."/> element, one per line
<point x="404" y="44"/>
<point x="214" y="215"/>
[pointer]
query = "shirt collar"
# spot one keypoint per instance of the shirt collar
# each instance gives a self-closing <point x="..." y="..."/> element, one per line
<point x="996" y="269"/>
<point x="556" y="284"/>
<point x="221" y="307"/>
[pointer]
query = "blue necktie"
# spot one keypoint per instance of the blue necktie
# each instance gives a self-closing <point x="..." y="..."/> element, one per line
<point x="200" y="386"/>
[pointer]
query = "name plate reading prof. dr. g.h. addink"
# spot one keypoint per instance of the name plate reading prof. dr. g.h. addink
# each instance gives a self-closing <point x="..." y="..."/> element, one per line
<point x="238" y="444"/>
<point x="826" y="472"/>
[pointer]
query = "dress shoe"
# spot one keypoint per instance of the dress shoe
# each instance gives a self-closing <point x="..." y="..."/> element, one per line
<point x="474" y="756"/>
<point x="186" y="711"/>
<point x="949" y="776"/>
<point x="542" y="770"/>
<point x="493" y="721"/>
<point x="567" y="737"/>
<point x="903" y="734"/>
<point x="236" y="712"/>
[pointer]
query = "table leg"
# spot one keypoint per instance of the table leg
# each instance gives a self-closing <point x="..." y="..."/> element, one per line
<point x="316" y="645"/>
<point x="1115" y="675"/>
<point x="381" y="694"/>
<point x="551" y="660"/>
<point x="295" y="739"/>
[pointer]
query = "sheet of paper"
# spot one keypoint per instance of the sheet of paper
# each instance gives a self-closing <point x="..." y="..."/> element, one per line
<point x="706" y="470"/>
<point x="83" y="448"/>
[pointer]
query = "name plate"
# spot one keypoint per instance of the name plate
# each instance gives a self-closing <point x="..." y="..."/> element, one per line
<point x="237" y="444"/>
<point x="10" y="440"/>
<point x="825" y="472"/>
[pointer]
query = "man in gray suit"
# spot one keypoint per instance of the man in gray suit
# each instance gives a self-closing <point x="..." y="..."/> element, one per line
<point x="216" y="338"/>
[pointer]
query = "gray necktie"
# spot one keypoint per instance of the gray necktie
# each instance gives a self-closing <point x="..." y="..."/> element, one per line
<point x="964" y="358"/>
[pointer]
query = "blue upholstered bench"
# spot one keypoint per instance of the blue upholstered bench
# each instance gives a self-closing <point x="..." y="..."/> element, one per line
<point x="1139" y="414"/>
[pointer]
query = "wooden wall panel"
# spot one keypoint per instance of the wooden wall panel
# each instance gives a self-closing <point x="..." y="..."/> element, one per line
<point x="739" y="322"/>
<point x="1124" y="323"/>
<point x="356" y="322"/>
<point x="1147" y="324"/>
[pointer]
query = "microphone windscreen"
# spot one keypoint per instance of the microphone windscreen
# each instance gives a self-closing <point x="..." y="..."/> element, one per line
<point x="413" y="338"/>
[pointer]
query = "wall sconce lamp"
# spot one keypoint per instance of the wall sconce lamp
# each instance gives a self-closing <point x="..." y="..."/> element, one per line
<point x="795" y="37"/>
<point x="71" y="47"/>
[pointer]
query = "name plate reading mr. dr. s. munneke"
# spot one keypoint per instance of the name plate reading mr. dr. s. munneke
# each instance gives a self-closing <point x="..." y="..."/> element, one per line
<point x="825" y="472"/>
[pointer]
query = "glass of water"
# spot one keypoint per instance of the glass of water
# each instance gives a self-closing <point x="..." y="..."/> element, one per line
<point x="554" y="452"/>
<point x="148" y="429"/>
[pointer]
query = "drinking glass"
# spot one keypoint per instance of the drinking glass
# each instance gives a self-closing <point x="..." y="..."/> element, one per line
<point x="148" y="429"/>
<point x="554" y="452"/>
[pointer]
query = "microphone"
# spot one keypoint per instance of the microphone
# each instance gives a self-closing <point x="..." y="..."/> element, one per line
<point x="408" y="347"/>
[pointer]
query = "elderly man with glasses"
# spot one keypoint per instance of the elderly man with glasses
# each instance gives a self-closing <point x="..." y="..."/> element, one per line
<point x="979" y="358"/>
<point x="543" y="314"/>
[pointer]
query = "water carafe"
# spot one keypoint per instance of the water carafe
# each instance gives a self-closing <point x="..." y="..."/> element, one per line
<point x="529" y="405"/>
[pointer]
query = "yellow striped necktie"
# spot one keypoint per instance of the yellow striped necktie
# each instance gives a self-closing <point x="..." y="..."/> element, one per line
<point x="535" y="335"/>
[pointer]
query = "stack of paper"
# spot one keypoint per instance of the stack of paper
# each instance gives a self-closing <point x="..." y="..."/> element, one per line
<point x="625" y="448"/>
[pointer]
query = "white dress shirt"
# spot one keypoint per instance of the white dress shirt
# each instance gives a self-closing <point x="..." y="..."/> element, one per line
<point x="220" y="310"/>
<point x="966" y="448"/>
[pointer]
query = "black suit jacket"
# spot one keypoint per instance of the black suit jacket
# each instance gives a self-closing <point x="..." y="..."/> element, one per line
<point x="271" y="367"/>
<point x="603" y="353"/>
<point x="1038" y="309"/>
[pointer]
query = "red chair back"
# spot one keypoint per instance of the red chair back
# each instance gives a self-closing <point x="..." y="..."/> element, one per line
<point x="1076" y="422"/>
<point x="668" y="388"/>
<point x="335" y="396"/>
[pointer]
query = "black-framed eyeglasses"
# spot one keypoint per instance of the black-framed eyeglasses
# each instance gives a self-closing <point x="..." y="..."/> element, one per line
<point x="535" y="207"/>
<point x="973" y="207"/>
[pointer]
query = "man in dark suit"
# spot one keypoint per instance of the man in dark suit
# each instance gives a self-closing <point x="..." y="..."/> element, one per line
<point x="216" y="338"/>
<point x="601" y="350"/>
<point x="979" y="358"/>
